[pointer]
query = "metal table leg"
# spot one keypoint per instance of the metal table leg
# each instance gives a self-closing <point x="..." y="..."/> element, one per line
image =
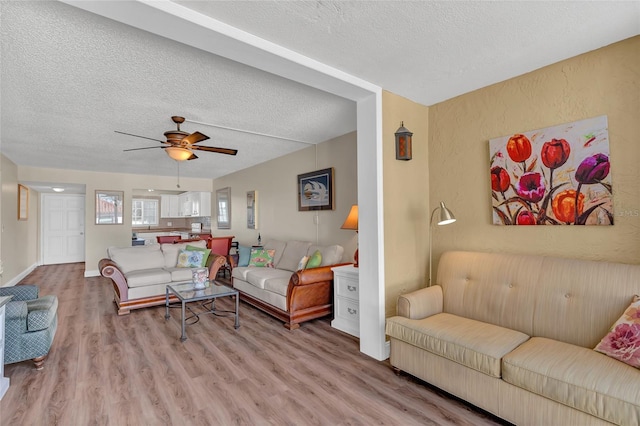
<point x="237" y="324"/>
<point x="166" y="304"/>
<point x="184" y="336"/>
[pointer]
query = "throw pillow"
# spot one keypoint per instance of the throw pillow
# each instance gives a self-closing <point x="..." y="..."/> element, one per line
<point x="623" y="340"/>
<point x="303" y="263"/>
<point x="315" y="260"/>
<point x="190" y="259"/>
<point x="261" y="258"/>
<point x="244" y="254"/>
<point x="206" y="252"/>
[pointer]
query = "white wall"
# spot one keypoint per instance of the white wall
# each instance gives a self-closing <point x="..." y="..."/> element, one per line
<point x="275" y="182"/>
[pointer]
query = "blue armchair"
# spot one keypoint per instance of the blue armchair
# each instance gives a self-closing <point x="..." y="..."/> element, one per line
<point x="30" y="324"/>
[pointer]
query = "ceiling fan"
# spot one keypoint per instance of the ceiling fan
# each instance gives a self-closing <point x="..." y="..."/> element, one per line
<point x="180" y="145"/>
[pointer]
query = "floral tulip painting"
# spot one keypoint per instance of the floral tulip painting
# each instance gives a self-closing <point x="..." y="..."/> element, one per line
<point x="560" y="175"/>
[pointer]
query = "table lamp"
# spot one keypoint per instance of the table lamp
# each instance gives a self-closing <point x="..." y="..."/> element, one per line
<point x="351" y="222"/>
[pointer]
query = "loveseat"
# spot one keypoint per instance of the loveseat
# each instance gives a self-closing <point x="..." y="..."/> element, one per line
<point x="140" y="274"/>
<point x="286" y="291"/>
<point x="515" y="335"/>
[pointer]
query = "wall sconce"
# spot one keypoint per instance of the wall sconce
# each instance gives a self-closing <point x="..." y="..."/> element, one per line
<point x="403" y="143"/>
<point x="444" y="218"/>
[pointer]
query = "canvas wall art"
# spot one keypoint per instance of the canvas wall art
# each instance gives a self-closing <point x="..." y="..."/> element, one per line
<point x="560" y="175"/>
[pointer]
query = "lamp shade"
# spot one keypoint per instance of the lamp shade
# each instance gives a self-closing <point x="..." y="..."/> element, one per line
<point x="445" y="217"/>
<point x="351" y="222"/>
<point x="178" y="153"/>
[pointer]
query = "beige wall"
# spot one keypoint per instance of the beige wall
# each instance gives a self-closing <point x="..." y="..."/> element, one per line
<point x="99" y="237"/>
<point x="278" y="215"/>
<point x="19" y="239"/>
<point x="602" y="82"/>
<point x="406" y="199"/>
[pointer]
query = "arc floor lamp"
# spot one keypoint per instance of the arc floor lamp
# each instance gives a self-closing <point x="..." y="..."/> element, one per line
<point x="445" y="217"/>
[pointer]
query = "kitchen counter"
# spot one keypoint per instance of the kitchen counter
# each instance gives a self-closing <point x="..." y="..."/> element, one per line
<point x="172" y="229"/>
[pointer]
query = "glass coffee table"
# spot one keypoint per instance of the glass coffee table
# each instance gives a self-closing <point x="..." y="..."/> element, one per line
<point x="186" y="293"/>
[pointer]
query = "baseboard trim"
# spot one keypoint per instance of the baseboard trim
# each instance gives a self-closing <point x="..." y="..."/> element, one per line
<point x="15" y="280"/>
<point x="93" y="273"/>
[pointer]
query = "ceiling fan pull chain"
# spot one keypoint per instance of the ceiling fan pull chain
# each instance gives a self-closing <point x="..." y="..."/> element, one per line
<point x="178" y="185"/>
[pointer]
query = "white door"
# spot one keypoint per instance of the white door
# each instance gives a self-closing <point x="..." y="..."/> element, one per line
<point x="62" y="228"/>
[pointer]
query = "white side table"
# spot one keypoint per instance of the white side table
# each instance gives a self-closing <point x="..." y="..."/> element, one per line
<point x="4" y="381"/>
<point x="346" y="300"/>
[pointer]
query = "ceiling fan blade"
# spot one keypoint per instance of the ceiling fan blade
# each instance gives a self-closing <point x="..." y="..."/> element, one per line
<point x="227" y="151"/>
<point x="194" y="137"/>
<point x="138" y="136"/>
<point x="193" y="157"/>
<point x="146" y="147"/>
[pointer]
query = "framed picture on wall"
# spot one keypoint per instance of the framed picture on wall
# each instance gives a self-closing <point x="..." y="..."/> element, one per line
<point x="23" y="202"/>
<point x="315" y="190"/>
<point x="252" y="210"/>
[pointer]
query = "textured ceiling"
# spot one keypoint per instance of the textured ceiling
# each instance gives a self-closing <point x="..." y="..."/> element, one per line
<point x="69" y="78"/>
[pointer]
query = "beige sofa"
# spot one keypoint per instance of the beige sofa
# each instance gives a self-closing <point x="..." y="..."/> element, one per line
<point x="291" y="295"/>
<point x="514" y="335"/>
<point x="140" y="274"/>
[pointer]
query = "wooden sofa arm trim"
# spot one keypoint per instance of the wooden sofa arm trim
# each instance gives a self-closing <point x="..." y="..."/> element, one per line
<point x="313" y="275"/>
<point x="109" y="269"/>
<point x="215" y="263"/>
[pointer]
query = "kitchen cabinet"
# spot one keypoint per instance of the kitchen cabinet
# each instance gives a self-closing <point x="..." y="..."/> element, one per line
<point x="169" y="206"/>
<point x="187" y="204"/>
<point x="205" y="204"/>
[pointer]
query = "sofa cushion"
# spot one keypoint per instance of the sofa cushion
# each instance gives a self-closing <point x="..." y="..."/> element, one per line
<point x="303" y="263"/>
<point x="331" y="255"/>
<point x="278" y="285"/>
<point x="575" y="376"/>
<point x="261" y="258"/>
<point x="623" y="340"/>
<point x="278" y="246"/>
<point x="180" y="274"/>
<point x="290" y="258"/>
<point x="190" y="259"/>
<point x="144" y="277"/>
<point x="137" y="257"/>
<point x="171" y="251"/>
<point x="240" y="272"/>
<point x="206" y="252"/>
<point x="315" y="260"/>
<point x="472" y="343"/>
<point x="244" y="253"/>
<point x="259" y="276"/>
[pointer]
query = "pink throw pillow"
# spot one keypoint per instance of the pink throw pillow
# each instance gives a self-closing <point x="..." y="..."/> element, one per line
<point x="623" y="340"/>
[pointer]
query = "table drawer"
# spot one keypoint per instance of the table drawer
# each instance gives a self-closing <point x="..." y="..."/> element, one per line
<point x="347" y="287"/>
<point x="347" y="309"/>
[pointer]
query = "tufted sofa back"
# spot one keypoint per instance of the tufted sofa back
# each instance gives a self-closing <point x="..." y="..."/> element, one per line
<point x="571" y="300"/>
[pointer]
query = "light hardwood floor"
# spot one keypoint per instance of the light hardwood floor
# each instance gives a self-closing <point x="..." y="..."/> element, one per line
<point x="133" y="370"/>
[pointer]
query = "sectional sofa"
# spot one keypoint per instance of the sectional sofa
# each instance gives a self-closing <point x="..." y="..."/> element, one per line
<point x="515" y="335"/>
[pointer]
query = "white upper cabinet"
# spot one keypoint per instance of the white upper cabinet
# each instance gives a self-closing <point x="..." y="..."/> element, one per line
<point x="188" y="204"/>
<point x="169" y="206"/>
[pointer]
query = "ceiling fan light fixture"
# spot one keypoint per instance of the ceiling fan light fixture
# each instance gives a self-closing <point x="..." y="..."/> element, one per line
<point x="178" y="153"/>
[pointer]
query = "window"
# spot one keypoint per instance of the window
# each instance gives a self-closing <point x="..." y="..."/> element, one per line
<point x="144" y="212"/>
